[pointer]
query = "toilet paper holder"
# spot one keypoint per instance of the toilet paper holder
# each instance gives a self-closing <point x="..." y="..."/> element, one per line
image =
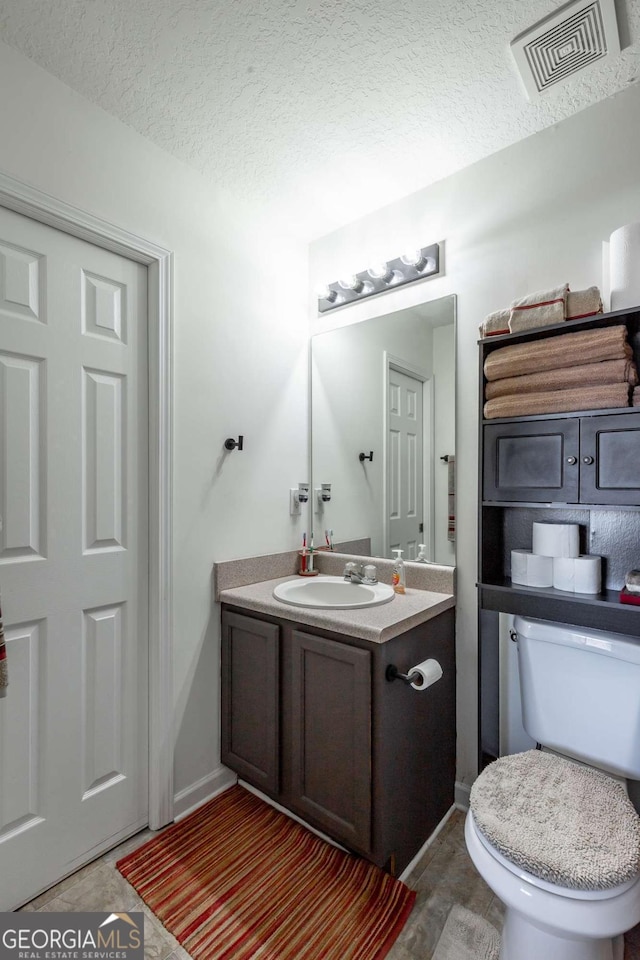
<point x="392" y="673"/>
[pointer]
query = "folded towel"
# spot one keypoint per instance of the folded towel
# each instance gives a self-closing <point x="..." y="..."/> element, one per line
<point x="583" y="303"/>
<point x="635" y="400"/>
<point x="539" y="309"/>
<point x="495" y="323"/>
<point x="4" y="673"/>
<point x="597" y="397"/>
<point x="451" y="497"/>
<point x="605" y="371"/>
<point x="551" y="353"/>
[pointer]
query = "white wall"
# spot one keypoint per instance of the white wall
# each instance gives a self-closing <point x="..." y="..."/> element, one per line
<point x="527" y="218"/>
<point x="240" y="356"/>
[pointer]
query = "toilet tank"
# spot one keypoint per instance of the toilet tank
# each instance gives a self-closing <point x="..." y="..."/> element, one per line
<point x="580" y="691"/>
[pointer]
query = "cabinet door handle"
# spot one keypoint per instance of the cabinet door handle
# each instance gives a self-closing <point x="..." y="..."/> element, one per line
<point x="587" y="459"/>
<point x="572" y="460"/>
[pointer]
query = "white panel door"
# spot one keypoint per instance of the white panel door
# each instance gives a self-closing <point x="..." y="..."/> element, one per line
<point x="73" y="553"/>
<point x="405" y="463"/>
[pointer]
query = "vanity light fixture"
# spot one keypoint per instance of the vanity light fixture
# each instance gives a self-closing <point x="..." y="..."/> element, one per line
<point x="413" y="265"/>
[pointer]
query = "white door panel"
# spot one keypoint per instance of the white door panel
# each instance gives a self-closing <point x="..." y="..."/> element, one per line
<point x="73" y="552"/>
<point x="405" y="463"/>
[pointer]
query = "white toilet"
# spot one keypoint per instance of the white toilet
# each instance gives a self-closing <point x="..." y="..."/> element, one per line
<point x="558" y="841"/>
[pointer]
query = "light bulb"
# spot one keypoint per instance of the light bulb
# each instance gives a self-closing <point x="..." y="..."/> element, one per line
<point x="417" y="260"/>
<point x="381" y="271"/>
<point x="326" y="293"/>
<point x="352" y="283"/>
<point x="414" y="258"/>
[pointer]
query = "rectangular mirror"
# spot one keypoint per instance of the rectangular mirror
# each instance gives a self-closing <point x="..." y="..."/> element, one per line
<point x="383" y="432"/>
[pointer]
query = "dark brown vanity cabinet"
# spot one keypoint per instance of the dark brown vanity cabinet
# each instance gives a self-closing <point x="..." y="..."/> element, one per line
<point x="251" y="702"/>
<point x="330" y="724"/>
<point x="590" y="459"/>
<point x="309" y="718"/>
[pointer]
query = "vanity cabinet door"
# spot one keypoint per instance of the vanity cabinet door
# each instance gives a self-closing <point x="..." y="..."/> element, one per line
<point x="532" y="460"/>
<point x="610" y="459"/>
<point x="330" y="723"/>
<point x="251" y="699"/>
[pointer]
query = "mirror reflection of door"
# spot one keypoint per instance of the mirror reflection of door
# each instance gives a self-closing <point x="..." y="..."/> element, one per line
<point x="405" y="463"/>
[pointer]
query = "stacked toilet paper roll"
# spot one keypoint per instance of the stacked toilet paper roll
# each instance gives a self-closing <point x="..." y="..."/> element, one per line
<point x="577" y="574"/>
<point x="556" y="539"/>
<point x="555" y="561"/>
<point x="530" y="569"/>
<point x="624" y="266"/>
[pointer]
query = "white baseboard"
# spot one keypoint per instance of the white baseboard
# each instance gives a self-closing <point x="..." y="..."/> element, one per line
<point x="461" y="796"/>
<point x="193" y="796"/>
<point x="425" y="846"/>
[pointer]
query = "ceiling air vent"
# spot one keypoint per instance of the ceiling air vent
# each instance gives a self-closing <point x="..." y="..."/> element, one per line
<point x="565" y="43"/>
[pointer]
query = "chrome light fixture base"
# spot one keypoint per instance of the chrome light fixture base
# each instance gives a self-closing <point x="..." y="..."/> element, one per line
<point x="369" y="283"/>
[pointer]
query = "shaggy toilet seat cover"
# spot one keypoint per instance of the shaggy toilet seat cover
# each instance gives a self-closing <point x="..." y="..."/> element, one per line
<point x="567" y="824"/>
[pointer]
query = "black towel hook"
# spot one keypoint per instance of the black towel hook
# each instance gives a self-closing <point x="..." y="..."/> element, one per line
<point x="363" y="456"/>
<point x="232" y="444"/>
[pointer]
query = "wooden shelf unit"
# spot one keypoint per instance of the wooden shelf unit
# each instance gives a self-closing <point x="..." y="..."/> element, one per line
<point x="608" y="513"/>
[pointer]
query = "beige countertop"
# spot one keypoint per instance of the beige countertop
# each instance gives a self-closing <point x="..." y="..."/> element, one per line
<point x="377" y="624"/>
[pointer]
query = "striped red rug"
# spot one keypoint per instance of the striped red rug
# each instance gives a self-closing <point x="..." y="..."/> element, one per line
<point x="238" y="880"/>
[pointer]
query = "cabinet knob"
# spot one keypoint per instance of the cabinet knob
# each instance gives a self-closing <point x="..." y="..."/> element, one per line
<point x="587" y="459"/>
<point x="572" y="460"/>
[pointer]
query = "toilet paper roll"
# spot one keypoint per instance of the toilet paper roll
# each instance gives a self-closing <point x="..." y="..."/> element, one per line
<point x="429" y="670"/>
<point x="531" y="569"/>
<point x="624" y="266"/>
<point x="588" y="574"/>
<point x="564" y="573"/>
<point x="577" y="574"/>
<point x="556" y="539"/>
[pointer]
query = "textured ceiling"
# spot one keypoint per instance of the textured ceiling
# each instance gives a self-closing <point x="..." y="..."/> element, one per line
<point x="317" y="110"/>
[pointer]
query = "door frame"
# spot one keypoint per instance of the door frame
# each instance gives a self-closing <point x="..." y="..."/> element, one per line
<point x="417" y="373"/>
<point x="24" y="199"/>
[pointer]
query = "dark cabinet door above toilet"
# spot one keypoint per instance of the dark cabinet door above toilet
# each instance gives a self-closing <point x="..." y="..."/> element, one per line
<point x="534" y="460"/>
<point x="589" y="460"/>
<point x="610" y="459"/>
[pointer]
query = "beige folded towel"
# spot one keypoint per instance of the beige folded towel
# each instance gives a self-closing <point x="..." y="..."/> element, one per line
<point x="606" y="371"/>
<point x="495" y="323"/>
<point x="539" y="309"/>
<point x="636" y="398"/>
<point x="551" y="353"/>
<point x="599" y="397"/>
<point x="583" y="303"/>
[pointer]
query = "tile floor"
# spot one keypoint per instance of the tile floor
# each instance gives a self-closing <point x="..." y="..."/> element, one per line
<point x="443" y="877"/>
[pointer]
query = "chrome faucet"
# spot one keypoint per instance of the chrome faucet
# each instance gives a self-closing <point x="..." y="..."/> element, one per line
<point x="359" y="573"/>
<point x="354" y="573"/>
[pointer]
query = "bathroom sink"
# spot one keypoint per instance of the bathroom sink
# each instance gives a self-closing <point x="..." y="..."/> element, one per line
<point x="332" y="593"/>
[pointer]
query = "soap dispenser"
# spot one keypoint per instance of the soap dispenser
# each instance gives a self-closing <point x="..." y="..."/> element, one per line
<point x="398" y="577"/>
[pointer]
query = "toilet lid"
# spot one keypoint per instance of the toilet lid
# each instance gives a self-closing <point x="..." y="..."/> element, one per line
<point x="567" y="824"/>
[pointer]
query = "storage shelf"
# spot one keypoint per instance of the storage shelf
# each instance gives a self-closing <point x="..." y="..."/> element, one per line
<point x="557" y="505"/>
<point x="600" y="412"/>
<point x="602" y="611"/>
<point x="537" y="470"/>
<point x="566" y="326"/>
